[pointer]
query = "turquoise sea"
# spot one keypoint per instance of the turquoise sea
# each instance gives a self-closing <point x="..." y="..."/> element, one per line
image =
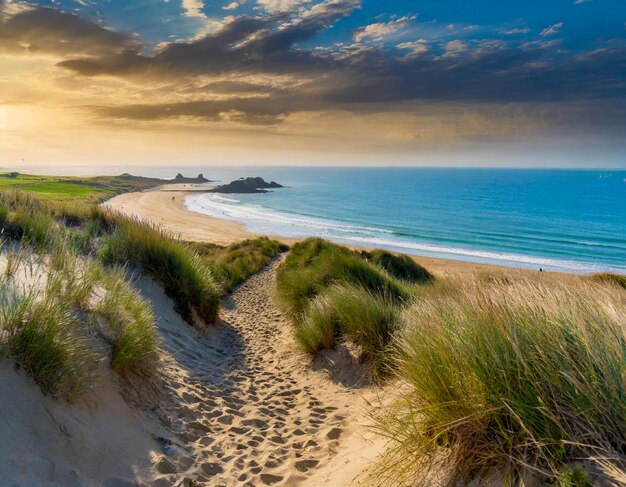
<point x="559" y="220"/>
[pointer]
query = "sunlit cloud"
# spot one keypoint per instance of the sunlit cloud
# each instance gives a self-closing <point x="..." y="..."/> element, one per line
<point x="303" y="70"/>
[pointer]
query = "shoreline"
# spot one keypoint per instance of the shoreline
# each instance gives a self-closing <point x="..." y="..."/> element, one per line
<point x="165" y="206"/>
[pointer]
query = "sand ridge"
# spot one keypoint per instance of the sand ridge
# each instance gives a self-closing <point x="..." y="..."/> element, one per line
<point x="247" y="408"/>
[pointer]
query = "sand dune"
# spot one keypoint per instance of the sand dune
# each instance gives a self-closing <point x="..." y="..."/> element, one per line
<point x="238" y="406"/>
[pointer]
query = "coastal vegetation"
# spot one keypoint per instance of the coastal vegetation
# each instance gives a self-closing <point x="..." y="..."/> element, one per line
<point x="608" y="278"/>
<point x="333" y="293"/>
<point x="185" y="277"/>
<point x="67" y="275"/>
<point x="504" y="373"/>
<point x="232" y="265"/>
<point x="519" y="376"/>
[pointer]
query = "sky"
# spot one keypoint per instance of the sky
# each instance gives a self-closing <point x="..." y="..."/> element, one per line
<point x="337" y="82"/>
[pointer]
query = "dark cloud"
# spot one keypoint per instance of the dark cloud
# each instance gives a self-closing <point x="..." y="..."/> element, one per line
<point x="245" y="44"/>
<point x="247" y="110"/>
<point x="348" y="78"/>
<point x="46" y="30"/>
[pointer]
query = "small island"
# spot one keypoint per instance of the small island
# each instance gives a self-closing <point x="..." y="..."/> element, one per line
<point x="246" y="186"/>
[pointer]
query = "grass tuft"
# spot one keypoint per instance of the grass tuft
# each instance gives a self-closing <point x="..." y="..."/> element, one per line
<point x="130" y="323"/>
<point x="400" y="266"/>
<point x="232" y="265"/>
<point x="42" y="337"/>
<point x="182" y="273"/>
<point x="315" y="264"/>
<point x="518" y="378"/>
<point x="354" y="313"/>
<point x="613" y="279"/>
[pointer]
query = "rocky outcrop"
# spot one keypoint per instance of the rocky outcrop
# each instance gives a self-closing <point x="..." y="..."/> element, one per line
<point x="247" y="185"/>
<point x="182" y="179"/>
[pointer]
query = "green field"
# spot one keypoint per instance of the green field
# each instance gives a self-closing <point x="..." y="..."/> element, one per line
<point x="80" y="190"/>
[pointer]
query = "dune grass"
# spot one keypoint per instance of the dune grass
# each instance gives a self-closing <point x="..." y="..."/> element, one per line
<point x="521" y="377"/>
<point x="24" y="217"/>
<point x="608" y="278"/>
<point x="334" y="294"/>
<point x="129" y="322"/>
<point x="232" y="265"/>
<point x="354" y="313"/>
<point x="399" y="266"/>
<point x="315" y="264"/>
<point x="181" y="271"/>
<point x="43" y="337"/>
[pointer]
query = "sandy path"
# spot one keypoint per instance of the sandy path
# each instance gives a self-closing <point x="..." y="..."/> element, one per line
<point x="248" y="409"/>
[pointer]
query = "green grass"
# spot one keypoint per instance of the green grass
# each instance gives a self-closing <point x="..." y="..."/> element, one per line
<point x="315" y="264"/>
<point x="334" y="294"/>
<point x="232" y="265"/>
<point x="185" y="277"/>
<point x="353" y="313"/>
<point x="519" y="377"/>
<point x="43" y="337"/>
<point x="399" y="265"/>
<point x="317" y="329"/>
<point x="61" y="189"/>
<point x="130" y="323"/>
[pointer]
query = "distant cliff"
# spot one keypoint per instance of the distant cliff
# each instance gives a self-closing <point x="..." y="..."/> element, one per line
<point x="247" y="185"/>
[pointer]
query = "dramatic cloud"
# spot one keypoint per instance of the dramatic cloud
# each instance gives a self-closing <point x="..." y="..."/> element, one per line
<point x="275" y="65"/>
<point x="276" y="6"/>
<point x="48" y="31"/>
<point x="415" y="48"/>
<point x="380" y="30"/>
<point x="193" y="8"/>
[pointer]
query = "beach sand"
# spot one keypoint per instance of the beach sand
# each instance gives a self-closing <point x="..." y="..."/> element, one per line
<point x="165" y="207"/>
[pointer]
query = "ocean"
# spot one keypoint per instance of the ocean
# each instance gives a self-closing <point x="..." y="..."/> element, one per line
<point x="557" y="220"/>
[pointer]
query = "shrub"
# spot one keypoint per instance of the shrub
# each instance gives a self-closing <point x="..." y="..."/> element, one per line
<point x="515" y="377"/>
<point x="400" y="266"/>
<point x="181" y="272"/>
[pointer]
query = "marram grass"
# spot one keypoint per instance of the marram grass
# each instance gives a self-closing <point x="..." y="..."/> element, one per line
<point x="185" y="277"/>
<point x="517" y="378"/>
<point x="130" y="323"/>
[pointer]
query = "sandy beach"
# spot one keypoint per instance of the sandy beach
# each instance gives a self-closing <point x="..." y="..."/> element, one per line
<point x="165" y="206"/>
